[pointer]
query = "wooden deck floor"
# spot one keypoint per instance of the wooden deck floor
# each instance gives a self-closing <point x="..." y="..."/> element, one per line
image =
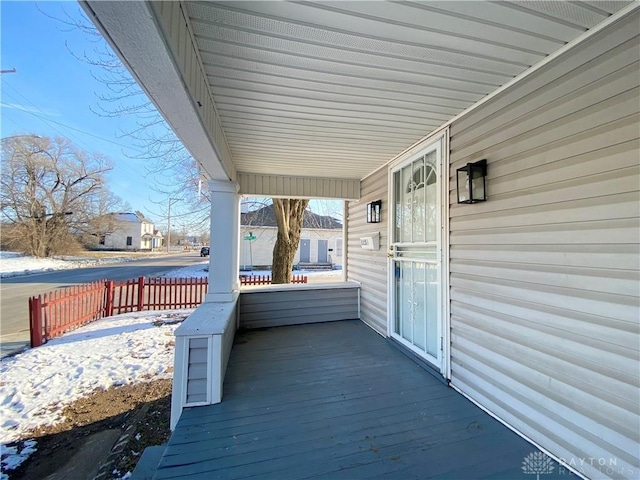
<point x="337" y="401"/>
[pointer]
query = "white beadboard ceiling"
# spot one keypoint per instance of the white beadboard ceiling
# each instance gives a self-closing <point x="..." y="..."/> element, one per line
<point x="337" y="89"/>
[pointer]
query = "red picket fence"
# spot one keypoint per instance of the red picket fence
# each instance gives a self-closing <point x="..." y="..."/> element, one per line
<point x="266" y="279"/>
<point x="165" y="293"/>
<point x="52" y="314"/>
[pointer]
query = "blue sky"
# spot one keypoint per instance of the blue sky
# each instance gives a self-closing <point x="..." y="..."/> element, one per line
<point x="52" y="93"/>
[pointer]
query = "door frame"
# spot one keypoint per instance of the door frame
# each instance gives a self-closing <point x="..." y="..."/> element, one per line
<point x="445" y="200"/>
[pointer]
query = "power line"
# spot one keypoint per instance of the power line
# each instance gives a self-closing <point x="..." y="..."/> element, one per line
<point x="28" y="111"/>
<point x="79" y="140"/>
<point x="122" y="165"/>
<point x="44" y="117"/>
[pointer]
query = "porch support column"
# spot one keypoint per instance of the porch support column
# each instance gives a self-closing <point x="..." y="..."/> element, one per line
<point x="224" y="251"/>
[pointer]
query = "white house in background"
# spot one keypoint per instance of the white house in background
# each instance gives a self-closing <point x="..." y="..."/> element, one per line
<point x="318" y="246"/>
<point x="526" y="303"/>
<point x="320" y="243"/>
<point x="132" y="232"/>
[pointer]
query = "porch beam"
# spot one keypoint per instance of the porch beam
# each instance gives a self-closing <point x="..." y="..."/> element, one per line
<point x="286" y="186"/>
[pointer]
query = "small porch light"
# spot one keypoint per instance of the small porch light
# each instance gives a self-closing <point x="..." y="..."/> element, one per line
<point x="470" y="182"/>
<point x="373" y="211"/>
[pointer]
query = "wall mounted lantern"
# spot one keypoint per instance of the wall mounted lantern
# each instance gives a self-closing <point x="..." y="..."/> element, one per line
<point x="470" y="182"/>
<point x="373" y="211"/>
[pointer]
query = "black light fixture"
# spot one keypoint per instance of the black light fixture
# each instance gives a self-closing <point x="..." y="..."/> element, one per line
<point x="373" y="211"/>
<point x="470" y="182"/>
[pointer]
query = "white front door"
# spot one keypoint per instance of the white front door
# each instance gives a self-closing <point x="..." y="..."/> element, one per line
<point x="415" y="318"/>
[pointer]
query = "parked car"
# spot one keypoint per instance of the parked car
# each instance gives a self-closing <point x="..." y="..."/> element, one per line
<point x="204" y="252"/>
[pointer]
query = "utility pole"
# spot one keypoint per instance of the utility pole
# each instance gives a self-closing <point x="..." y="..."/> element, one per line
<point x="171" y="200"/>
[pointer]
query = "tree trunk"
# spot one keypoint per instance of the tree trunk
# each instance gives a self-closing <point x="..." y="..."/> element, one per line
<point x="289" y="214"/>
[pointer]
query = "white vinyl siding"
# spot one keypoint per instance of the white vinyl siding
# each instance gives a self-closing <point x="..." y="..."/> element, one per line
<point x="279" y="305"/>
<point x="369" y="267"/>
<point x="545" y="274"/>
<point x="128" y="235"/>
<point x="197" y="371"/>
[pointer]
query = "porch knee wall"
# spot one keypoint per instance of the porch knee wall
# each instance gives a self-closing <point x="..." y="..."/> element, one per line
<point x="203" y="346"/>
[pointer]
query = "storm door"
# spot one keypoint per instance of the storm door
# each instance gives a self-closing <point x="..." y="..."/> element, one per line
<point x="415" y="254"/>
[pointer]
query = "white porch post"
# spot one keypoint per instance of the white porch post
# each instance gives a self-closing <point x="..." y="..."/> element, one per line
<point x="207" y="334"/>
<point x="224" y="248"/>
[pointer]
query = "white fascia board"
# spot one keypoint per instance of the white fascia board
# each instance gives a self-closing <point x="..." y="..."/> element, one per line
<point x="131" y="29"/>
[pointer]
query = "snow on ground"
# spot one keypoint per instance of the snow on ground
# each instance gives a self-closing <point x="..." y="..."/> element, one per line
<point x="37" y="384"/>
<point x="202" y="270"/>
<point x="13" y="264"/>
<point x="193" y="271"/>
<point x="13" y="456"/>
<point x="314" y="276"/>
<point x="119" y="350"/>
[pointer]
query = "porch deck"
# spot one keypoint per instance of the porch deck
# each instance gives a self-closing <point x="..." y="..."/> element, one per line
<point x="336" y="400"/>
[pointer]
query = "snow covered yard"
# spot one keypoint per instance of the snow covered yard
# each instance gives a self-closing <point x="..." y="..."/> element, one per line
<point x="114" y="351"/>
<point x="13" y="264"/>
<point x="120" y="350"/>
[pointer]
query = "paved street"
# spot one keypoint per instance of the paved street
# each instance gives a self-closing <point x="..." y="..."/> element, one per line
<point x="15" y="291"/>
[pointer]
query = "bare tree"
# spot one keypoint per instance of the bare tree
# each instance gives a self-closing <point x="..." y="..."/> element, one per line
<point x="48" y="193"/>
<point x="172" y="167"/>
<point x="167" y="157"/>
<point x="204" y="237"/>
